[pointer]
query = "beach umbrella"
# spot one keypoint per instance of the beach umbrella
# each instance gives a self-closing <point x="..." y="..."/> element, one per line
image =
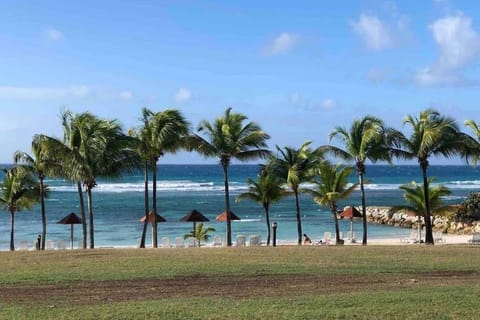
<point x="70" y="219"/>
<point x="223" y="216"/>
<point x="150" y="219"/>
<point x="194" y="216"/>
<point x="350" y="212"/>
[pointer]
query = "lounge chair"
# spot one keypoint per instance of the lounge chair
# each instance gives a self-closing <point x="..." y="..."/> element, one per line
<point x="218" y="241"/>
<point x="192" y="242"/>
<point x="241" y="240"/>
<point x="351" y="237"/>
<point x="166" y="242"/>
<point x="475" y="239"/>
<point x="61" y="245"/>
<point x="179" y="242"/>
<point x="254" y="240"/>
<point x="327" y="238"/>
<point x="49" y="245"/>
<point x="438" y="237"/>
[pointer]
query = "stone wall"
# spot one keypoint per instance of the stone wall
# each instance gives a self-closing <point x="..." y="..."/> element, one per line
<point x="380" y="215"/>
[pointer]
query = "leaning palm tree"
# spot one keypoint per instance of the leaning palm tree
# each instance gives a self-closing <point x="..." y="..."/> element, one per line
<point x="295" y="166"/>
<point x="363" y="141"/>
<point x="19" y="191"/>
<point x="38" y="165"/>
<point x="470" y="146"/>
<point x="414" y="194"/>
<point x="162" y="132"/>
<point x="431" y="135"/>
<point x="228" y="138"/>
<point x="267" y="190"/>
<point x="331" y="185"/>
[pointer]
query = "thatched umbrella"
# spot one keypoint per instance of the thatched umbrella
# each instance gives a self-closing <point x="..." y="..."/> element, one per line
<point x="71" y="219"/>
<point x="194" y="216"/>
<point x="350" y="213"/>
<point x="150" y="219"/>
<point x="223" y="216"/>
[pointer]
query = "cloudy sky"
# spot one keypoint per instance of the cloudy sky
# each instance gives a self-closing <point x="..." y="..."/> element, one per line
<point x="298" y="68"/>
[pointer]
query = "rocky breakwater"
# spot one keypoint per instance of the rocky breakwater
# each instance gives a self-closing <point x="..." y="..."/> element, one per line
<point x="382" y="215"/>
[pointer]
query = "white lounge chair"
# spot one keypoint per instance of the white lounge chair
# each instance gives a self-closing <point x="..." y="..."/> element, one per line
<point x="49" y="245"/>
<point x="61" y="245"/>
<point x="438" y="237"/>
<point x="192" y="242"/>
<point x="179" y="242"/>
<point x="166" y="242"/>
<point x="241" y="240"/>
<point x="254" y="240"/>
<point x="218" y="241"/>
<point x="475" y="239"/>
<point x="327" y="238"/>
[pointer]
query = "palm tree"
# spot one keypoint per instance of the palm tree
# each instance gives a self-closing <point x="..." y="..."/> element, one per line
<point x="331" y="185"/>
<point x="38" y="165"/>
<point x="470" y="146"/>
<point x="161" y="133"/>
<point x="431" y="134"/>
<point x="228" y="138"/>
<point x="364" y="140"/>
<point x="92" y="147"/>
<point x="295" y="166"/>
<point x="200" y="233"/>
<point x="19" y="191"/>
<point x="267" y="190"/>
<point x="414" y="194"/>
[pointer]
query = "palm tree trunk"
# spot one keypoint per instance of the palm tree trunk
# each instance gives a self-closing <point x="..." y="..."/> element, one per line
<point x="267" y="218"/>
<point x="299" y="219"/>
<point x="82" y="213"/>
<point x="364" y="208"/>
<point x="154" y="204"/>
<point x="428" y="222"/>
<point x="90" y="212"/>
<point x="12" y="221"/>
<point x="333" y="207"/>
<point x="44" y="216"/>
<point x="147" y="209"/>
<point x="227" y="205"/>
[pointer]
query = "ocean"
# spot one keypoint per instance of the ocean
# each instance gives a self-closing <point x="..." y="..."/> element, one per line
<point x="119" y="204"/>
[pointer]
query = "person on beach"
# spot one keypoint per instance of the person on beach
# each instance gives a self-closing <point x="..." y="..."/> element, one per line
<point x="306" y="239"/>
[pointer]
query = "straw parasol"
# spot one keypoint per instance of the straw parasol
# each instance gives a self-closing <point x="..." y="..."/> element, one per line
<point x="70" y="219"/>
<point x="223" y="216"/>
<point x="194" y="216"/>
<point x="350" y="212"/>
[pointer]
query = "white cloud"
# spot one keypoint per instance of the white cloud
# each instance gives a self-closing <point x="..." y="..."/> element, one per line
<point x="459" y="46"/>
<point x="281" y="44"/>
<point x="54" y="34"/>
<point x="182" y="95"/>
<point x="374" y="33"/>
<point x="299" y="102"/>
<point x="126" y="95"/>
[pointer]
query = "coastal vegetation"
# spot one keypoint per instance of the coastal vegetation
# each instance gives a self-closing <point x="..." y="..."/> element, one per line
<point x="286" y="282"/>
<point x="93" y="147"/>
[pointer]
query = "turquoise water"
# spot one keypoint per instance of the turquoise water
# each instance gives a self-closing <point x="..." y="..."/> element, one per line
<point x="118" y="204"/>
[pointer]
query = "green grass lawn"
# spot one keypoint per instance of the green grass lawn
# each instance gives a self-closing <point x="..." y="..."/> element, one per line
<point x="315" y="282"/>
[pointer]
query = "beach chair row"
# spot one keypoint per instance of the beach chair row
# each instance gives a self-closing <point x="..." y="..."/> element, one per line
<point x="180" y="242"/>
<point x="329" y="238"/>
<point x="49" y="245"/>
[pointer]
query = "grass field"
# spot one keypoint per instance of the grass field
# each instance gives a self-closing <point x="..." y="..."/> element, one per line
<point x="315" y="282"/>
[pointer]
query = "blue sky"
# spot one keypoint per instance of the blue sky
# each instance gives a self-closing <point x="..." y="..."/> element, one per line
<point x="297" y="68"/>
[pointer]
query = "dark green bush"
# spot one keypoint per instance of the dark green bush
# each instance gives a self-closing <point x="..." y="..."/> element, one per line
<point x="470" y="208"/>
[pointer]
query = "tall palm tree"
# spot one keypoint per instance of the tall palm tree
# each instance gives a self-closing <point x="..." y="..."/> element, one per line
<point x="414" y="194"/>
<point x="470" y="146"/>
<point x="431" y="134"/>
<point x="364" y="140"/>
<point x="19" y="191"/>
<point x="92" y="147"/>
<point x="162" y="132"/>
<point x="331" y="185"/>
<point x="267" y="190"/>
<point x="38" y="165"/>
<point x="228" y="138"/>
<point x="295" y="166"/>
